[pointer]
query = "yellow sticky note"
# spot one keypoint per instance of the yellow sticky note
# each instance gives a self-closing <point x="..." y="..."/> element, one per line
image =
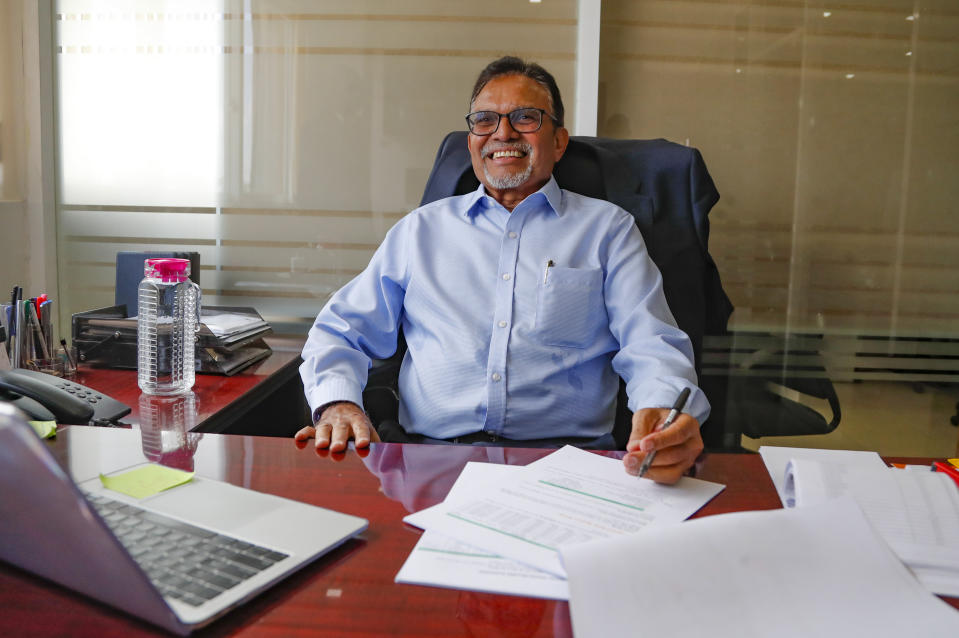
<point x="44" y="429"/>
<point x="955" y="462"/>
<point x="146" y="481"/>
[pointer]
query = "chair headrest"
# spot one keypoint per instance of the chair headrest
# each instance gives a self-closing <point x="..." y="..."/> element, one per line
<point x="579" y="170"/>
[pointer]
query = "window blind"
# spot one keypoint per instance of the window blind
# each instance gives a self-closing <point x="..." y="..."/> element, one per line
<point x="279" y="139"/>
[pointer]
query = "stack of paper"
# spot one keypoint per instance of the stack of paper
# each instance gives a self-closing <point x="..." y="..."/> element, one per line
<point x="916" y="513"/>
<point x="445" y="562"/>
<point x="811" y="571"/>
<point x="501" y="527"/>
<point x="567" y="527"/>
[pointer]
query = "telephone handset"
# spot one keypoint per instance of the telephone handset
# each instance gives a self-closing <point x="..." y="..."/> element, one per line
<point x="43" y="395"/>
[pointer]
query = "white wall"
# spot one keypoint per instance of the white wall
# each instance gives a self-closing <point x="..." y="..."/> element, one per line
<point x="28" y="235"/>
<point x="13" y="252"/>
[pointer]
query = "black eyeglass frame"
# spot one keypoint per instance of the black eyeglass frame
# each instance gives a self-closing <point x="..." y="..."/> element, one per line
<point x="509" y="116"/>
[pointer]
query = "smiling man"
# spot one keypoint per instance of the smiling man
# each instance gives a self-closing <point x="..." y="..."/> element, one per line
<point x="521" y="304"/>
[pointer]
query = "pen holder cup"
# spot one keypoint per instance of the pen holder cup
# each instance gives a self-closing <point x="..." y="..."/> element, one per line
<point x="47" y="366"/>
<point x="58" y="366"/>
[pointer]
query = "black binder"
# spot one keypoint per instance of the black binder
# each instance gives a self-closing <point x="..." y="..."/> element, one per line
<point x="230" y="338"/>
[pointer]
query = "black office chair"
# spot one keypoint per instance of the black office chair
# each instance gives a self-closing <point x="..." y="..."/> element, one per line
<point x="669" y="192"/>
<point x="764" y="373"/>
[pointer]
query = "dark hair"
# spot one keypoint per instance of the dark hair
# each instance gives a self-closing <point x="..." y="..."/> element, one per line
<point x="511" y="65"/>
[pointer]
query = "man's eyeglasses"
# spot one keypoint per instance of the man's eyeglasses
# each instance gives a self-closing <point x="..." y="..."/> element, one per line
<point x="525" y="120"/>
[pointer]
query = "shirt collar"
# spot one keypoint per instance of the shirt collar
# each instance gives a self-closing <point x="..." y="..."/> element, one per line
<point x="550" y="192"/>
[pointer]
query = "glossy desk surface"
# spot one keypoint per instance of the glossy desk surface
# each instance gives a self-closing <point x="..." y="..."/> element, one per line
<point x="351" y="590"/>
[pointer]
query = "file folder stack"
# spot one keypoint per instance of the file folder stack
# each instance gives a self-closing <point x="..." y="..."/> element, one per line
<point x="229" y="340"/>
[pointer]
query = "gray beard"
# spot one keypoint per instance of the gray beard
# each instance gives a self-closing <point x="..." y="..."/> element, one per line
<point x="516" y="179"/>
<point x="509" y="181"/>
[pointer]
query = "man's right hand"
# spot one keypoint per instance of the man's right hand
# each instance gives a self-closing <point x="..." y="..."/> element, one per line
<point x="338" y="424"/>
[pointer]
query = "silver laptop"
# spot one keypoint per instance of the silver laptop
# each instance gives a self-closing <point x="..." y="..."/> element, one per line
<point x="178" y="559"/>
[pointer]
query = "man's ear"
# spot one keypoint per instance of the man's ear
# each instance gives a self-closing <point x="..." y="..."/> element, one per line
<point x="561" y="141"/>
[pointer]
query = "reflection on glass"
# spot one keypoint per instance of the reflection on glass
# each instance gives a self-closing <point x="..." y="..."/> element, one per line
<point x="165" y="424"/>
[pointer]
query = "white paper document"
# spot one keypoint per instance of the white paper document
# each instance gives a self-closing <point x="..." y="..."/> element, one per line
<point x="444" y="562"/>
<point x="812" y="571"/>
<point x="224" y="323"/>
<point x="776" y="459"/>
<point x="569" y="497"/>
<point x="917" y="513"/>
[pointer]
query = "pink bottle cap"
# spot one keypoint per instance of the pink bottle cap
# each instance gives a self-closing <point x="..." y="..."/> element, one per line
<point x="167" y="269"/>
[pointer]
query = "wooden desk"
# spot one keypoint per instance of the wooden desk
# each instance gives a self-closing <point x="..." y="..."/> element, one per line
<point x="350" y="591"/>
<point x="267" y="392"/>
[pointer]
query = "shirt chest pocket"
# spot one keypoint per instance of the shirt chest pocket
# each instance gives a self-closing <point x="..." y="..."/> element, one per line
<point x="570" y="306"/>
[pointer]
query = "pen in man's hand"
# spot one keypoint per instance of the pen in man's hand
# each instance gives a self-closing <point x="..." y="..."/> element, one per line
<point x="674" y="412"/>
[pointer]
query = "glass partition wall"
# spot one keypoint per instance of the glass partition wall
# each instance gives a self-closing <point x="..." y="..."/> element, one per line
<point x="832" y="135"/>
<point x="282" y="138"/>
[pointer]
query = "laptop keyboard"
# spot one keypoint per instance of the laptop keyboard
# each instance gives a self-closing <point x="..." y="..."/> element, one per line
<point x="183" y="561"/>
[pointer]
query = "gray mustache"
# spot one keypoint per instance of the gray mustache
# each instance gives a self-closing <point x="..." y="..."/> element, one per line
<point x="492" y="147"/>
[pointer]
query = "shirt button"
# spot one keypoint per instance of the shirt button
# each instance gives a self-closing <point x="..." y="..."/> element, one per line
<point x="506" y="276"/>
<point x="496" y="376"/>
<point x="502" y="324"/>
<point x="512" y="235"/>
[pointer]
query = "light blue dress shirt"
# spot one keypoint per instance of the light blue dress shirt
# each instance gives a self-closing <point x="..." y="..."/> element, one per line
<point x="517" y="323"/>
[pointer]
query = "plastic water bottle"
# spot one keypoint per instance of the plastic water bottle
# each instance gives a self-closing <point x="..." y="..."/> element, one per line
<point x="168" y="316"/>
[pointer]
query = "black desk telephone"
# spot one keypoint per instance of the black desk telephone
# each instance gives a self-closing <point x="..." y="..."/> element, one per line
<point x="44" y="397"/>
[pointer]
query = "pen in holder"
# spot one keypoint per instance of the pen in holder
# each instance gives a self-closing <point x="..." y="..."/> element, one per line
<point x="69" y="355"/>
<point x="8" y="316"/>
<point x="17" y="343"/>
<point x="55" y="367"/>
<point x="28" y="338"/>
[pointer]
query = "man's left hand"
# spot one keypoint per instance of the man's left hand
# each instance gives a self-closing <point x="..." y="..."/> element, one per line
<point x="677" y="447"/>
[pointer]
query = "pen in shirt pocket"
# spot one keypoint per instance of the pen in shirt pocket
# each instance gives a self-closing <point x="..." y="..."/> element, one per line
<point x="549" y="264"/>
